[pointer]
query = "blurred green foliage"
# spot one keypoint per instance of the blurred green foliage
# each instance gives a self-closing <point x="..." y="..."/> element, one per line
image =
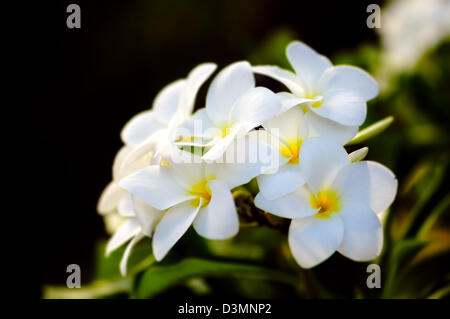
<point x="257" y="262"/>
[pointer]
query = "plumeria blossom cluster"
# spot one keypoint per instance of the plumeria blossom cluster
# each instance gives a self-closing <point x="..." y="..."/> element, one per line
<point x="179" y="169"/>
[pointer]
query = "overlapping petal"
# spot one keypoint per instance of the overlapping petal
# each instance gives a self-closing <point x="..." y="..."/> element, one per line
<point x="156" y="186"/>
<point x="293" y="205"/>
<point x="312" y="240"/>
<point x="368" y="182"/>
<point x="228" y="85"/>
<point x="218" y="219"/>
<point x="349" y="78"/>
<point x="172" y="226"/>
<point x="363" y="234"/>
<point x="320" y="161"/>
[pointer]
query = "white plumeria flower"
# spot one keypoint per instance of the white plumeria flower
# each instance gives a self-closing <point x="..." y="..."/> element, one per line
<point x="234" y="106"/>
<point x="140" y="221"/>
<point x="410" y="28"/>
<point x="126" y="216"/>
<point x="195" y="192"/>
<point x="338" y="93"/>
<point x="336" y="208"/>
<point x="143" y="136"/>
<point x="292" y="128"/>
<point x="174" y="102"/>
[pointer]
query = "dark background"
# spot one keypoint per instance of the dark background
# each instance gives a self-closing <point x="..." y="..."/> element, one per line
<point x="86" y="83"/>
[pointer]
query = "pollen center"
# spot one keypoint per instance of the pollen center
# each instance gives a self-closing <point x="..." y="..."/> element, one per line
<point x="327" y="201"/>
<point x="291" y="149"/>
<point x="202" y="192"/>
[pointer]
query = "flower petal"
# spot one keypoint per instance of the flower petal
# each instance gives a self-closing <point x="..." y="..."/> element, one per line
<point x="307" y="63"/>
<point x="228" y="85"/>
<point x="126" y="206"/>
<point x="217" y="150"/>
<point x="289" y="100"/>
<point x="140" y="127"/>
<point x="288" y="78"/>
<point x="343" y="106"/>
<point x="127" y="252"/>
<point x="312" y="240"/>
<point x="123" y="234"/>
<point x="166" y="102"/>
<point x="147" y="216"/>
<point x="119" y="159"/>
<point x="287" y="179"/>
<point x="195" y="79"/>
<point x="368" y="182"/>
<point x="293" y="205"/>
<point x="110" y="198"/>
<point x="363" y="234"/>
<point x="320" y="162"/>
<point x="317" y="126"/>
<point x="254" y="107"/>
<point x="156" y="186"/>
<point x="244" y="159"/>
<point x="285" y="125"/>
<point x="172" y="226"/>
<point x="350" y="78"/>
<point x="219" y="219"/>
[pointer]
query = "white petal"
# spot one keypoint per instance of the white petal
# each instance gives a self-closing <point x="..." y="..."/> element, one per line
<point x="147" y="216"/>
<point x="244" y="159"/>
<point x="363" y="234"/>
<point x="140" y="156"/>
<point x="307" y="63"/>
<point x="285" y="126"/>
<point x="312" y="240"/>
<point x="228" y="85"/>
<point x="156" y="186"/>
<point x="167" y="100"/>
<point x="127" y="252"/>
<point x="343" y="106"/>
<point x="289" y="100"/>
<point x="126" y="206"/>
<point x="368" y="182"/>
<point x="119" y="159"/>
<point x="350" y="78"/>
<point x="288" y="178"/>
<point x="186" y="168"/>
<point x="289" y="79"/>
<point x="172" y="226"/>
<point x="195" y="79"/>
<point x="197" y="126"/>
<point x="254" y="108"/>
<point x="320" y="161"/>
<point x="219" y="219"/>
<point x="110" y="198"/>
<point x="293" y="205"/>
<point x="317" y="126"/>
<point x="123" y="234"/>
<point x="221" y="145"/>
<point x="140" y="127"/>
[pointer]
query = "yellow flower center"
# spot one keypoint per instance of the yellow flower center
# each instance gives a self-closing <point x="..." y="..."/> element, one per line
<point x="292" y="149"/>
<point x="225" y="129"/>
<point x="202" y="191"/>
<point x="327" y="201"/>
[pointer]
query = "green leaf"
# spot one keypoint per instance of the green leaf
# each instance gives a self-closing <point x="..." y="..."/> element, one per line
<point x="97" y="289"/>
<point x="401" y="251"/>
<point x="372" y="130"/>
<point x="159" y="278"/>
<point x="441" y="208"/>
